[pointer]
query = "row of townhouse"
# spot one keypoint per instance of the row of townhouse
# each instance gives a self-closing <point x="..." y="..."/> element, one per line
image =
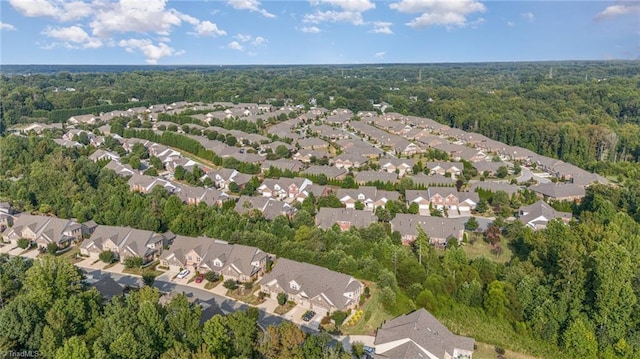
<point x="443" y="198"/>
<point x="45" y="230"/>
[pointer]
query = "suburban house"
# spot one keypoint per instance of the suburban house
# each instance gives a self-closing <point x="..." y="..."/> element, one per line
<point x="433" y="180"/>
<point x="144" y="183"/>
<point x="223" y="177"/>
<point x="450" y="198"/>
<point x="203" y="254"/>
<point x="311" y="143"/>
<point x="539" y="214"/>
<point x="397" y="165"/>
<point x="307" y="156"/>
<point x="490" y="167"/>
<point x="313" y="287"/>
<point x="43" y="230"/>
<point x="559" y="192"/>
<point x="194" y="195"/>
<point x="364" y="177"/>
<point x="438" y="229"/>
<point x="442" y="168"/>
<point x="282" y="188"/>
<point x="269" y="207"/>
<point x="494" y="187"/>
<point x="345" y="218"/>
<point x="124" y="242"/>
<point x="420" y="335"/>
<point x="6" y="215"/>
<point x="120" y="169"/>
<point x="329" y="171"/>
<point x="282" y="164"/>
<point x="348" y="161"/>
<point x="101" y="155"/>
<point x="369" y="196"/>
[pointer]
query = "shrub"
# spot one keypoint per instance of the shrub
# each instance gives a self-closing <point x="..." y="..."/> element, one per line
<point x="230" y="284"/>
<point x="133" y="262"/>
<point x="148" y="278"/>
<point x="338" y="317"/>
<point x="211" y="276"/>
<point x="282" y="298"/>
<point x="107" y="256"/>
<point x="500" y="350"/>
<point x="24" y="243"/>
<point x="52" y="248"/>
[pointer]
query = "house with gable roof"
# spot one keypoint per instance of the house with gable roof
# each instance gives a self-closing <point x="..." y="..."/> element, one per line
<point x="420" y="335"/>
<point x="124" y="242"/>
<point x="43" y="230"/>
<point x="311" y="286"/>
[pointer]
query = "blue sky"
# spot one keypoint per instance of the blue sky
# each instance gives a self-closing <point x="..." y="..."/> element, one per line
<point x="315" y="32"/>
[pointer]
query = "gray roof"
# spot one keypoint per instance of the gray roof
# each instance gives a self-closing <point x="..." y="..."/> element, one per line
<point x="329" y="171"/>
<point x="554" y="190"/>
<point x="433" y="180"/>
<point x="327" y="217"/>
<point x="538" y="214"/>
<point x="313" y="281"/>
<point x="373" y="176"/>
<point x="433" y="227"/>
<point x="108" y="287"/>
<point x="424" y="330"/>
<point x="495" y="187"/>
<point x="282" y="164"/>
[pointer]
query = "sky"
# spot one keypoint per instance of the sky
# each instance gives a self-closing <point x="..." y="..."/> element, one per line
<point x="246" y="32"/>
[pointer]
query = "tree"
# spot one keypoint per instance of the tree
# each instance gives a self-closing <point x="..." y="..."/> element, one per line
<point x="178" y="173"/>
<point x="133" y="262"/>
<point x="24" y="243"/>
<point x="73" y="348"/>
<point x="148" y="278"/>
<point x="282" y="298"/>
<point x="482" y="207"/>
<point x="183" y="320"/>
<point x="52" y="248"/>
<point x="339" y="317"/>
<point x="580" y="340"/>
<point x="471" y="224"/>
<point x="414" y="208"/>
<point x="359" y="205"/>
<point x="502" y="172"/>
<point x="216" y="336"/>
<point x="52" y="278"/>
<point x="107" y="257"/>
<point x="282" y="152"/>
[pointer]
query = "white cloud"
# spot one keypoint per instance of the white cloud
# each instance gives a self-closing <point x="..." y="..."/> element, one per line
<point x="5" y="26"/>
<point x="243" y="38"/>
<point x="59" y="10"/>
<point x="618" y="10"/>
<point x="350" y="5"/>
<point x="379" y="55"/>
<point x="529" y="16"/>
<point x="234" y="45"/>
<point x="380" y="27"/>
<point x="207" y="28"/>
<point x="259" y="40"/>
<point x="334" y="16"/>
<point x="310" y="29"/>
<point x="72" y="37"/>
<point x="152" y="52"/>
<point x="439" y="12"/>
<point x="251" y="5"/>
<point x="140" y="16"/>
<point x="511" y="23"/>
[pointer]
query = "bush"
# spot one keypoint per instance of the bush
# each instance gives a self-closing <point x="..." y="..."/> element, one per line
<point x="282" y="298"/>
<point x="107" y="257"/>
<point x="338" y="317"/>
<point x="52" y="248"/>
<point x="211" y="276"/>
<point x="500" y="350"/>
<point x="133" y="262"/>
<point x="24" y="243"/>
<point x="230" y="284"/>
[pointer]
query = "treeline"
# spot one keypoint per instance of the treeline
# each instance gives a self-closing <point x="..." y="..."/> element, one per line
<point x="569" y="291"/>
<point x="48" y="310"/>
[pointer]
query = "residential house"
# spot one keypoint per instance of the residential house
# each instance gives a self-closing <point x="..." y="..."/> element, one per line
<point x="102" y="155"/>
<point x="312" y="143"/>
<point x="120" y="169"/>
<point x="124" y="242"/>
<point x="282" y="188"/>
<point x="270" y="208"/>
<point x="364" y="177"/>
<point x="6" y="215"/>
<point x="195" y="195"/>
<point x="89" y="119"/>
<point x="369" y="196"/>
<point x="420" y="335"/>
<point x="43" y="230"/>
<point x="202" y="254"/>
<point x="144" y="183"/>
<point x="283" y="165"/>
<point x="490" y="167"/>
<point x="433" y="180"/>
<point x="449" y="198"/>
<point x="559" y="191"/>
<point x="494" y="187"/>
<point x="349" y="161"/>
<point x="67" y="143"/>
<point x="307" y="156"/>
<point x="330" y="172"/>
<point x="345" y="218"/>
<point x="438" y="229"/>
<point x="539" y="214"/>
<point x="397" y="165"/>
<point x="442" y="168"/>
<point x="311" y="286"/>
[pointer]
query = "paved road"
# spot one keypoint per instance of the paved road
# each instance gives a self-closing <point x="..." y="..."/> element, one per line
<point x="204" y="297"/>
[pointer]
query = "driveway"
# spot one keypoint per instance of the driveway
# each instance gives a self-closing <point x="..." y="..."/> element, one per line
<point x="6" y="247"/>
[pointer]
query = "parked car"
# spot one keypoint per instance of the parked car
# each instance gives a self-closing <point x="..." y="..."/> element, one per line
<point x="183" y="274"/>
<point x="308" y="315"/>
<point x="200" y="278"/>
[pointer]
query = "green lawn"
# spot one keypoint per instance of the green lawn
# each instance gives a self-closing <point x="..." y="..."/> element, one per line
<point x="481" y="248"/>
<point x="282" y="309"/>
<point x="372" y="310"/>
<point x="247" y="296"/>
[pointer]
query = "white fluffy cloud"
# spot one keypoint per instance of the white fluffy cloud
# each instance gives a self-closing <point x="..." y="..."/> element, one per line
<point x="350" y="5"/>
<point x="349" y="11"/>
<point x="618" y="10"/>
<point x="380" y="27"/>
<point x="251" y="5"/>
<point x="379" y="55"/>
<point x="310" y="29"/>
<point x="259" y="40"/>
<point x="5" y="26"/>
<point x="439" y="12"/>
<point x="234" y="45"/>
<point x="139" y="16"/>
<point x="152" y="52"/>
<point x="73" y="37"/>
<point x="529" y="16"/>
<point x="207" y="28"/>
<point x="59" y="10"/>
<point x="243" y="38"/>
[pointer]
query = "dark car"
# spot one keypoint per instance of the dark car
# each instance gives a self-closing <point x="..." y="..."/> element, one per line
<point x="200" y="278"/>
<point x="308" y="315"/>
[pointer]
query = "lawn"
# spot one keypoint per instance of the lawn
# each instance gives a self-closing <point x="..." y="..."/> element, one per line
<point x="283" y="309"/>
<point x="73" y="255"/>
<point x="211" y="285"/>
<point x="247" y="296"/>
<point x="486" y="351"/>
<point x="139" y="270"/>
<point x="374" y="315"/>
<point x="482" y="248"/>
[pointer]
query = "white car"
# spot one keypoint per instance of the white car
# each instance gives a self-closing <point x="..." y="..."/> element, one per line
<point x="183" y="274"/>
